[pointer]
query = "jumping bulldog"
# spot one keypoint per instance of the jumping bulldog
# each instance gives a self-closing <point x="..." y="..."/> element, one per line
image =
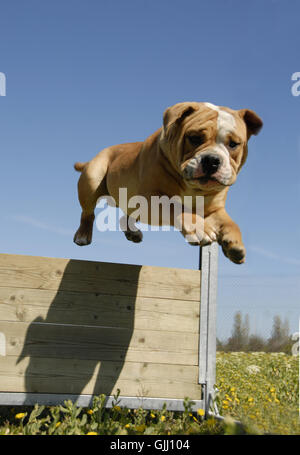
<point x="198" y="151"/>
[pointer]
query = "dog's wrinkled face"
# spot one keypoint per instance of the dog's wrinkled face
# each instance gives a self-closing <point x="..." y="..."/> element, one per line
<point x="207" y="143"/>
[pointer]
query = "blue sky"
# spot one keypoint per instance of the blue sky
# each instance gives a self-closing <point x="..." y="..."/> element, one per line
<point x="85" y="75"/>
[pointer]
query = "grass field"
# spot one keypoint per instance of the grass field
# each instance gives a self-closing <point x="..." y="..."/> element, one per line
<point x="261" y="390"/>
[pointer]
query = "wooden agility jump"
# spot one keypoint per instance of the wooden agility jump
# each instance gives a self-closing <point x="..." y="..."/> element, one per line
<point x="72" y="329"/>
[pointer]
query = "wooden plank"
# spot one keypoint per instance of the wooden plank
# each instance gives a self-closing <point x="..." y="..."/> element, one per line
<point x="88" y="327"/>
<point x="65" y="307"/>
<point x="99" y="343"/>
<point x="108" y="278"/>
<point x="41" y="375"/>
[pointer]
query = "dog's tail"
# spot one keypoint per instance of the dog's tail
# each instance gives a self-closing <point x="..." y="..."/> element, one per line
<point x="79" y="166"/>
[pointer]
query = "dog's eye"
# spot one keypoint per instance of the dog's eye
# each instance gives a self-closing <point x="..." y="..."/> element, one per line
<point x="196" y="141"/>
<point x="233" y="144"/>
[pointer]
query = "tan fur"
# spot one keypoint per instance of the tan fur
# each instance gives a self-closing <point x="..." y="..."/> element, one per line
<point x="155" y="168"/>
<point x="79" y="166"/>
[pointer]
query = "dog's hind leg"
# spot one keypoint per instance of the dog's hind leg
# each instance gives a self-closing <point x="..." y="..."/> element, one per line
<point x="91" y="185"/>
<point x="130" y="230"/>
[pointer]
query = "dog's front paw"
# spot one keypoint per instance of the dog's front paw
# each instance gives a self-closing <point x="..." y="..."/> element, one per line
<point x="201" y="238"/>
<point x="234" y="250"/>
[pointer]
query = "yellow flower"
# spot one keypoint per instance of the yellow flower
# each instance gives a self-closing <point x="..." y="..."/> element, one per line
<point x="201" y="412"/>
<point x="117" y="408"/>
<point x="225" y="406"/>
<point x="20" y="415"/>
<point x="211" y="421"/>
<point x="272" y="389"/>
<point x="225" y="402"/>
<point x="57" y="425"/>
<point x="90" y="412"/>
<point x="91" y="433"/>
<point x="196" y="420"/>
<point x="250" y="400"/>
<point x="163" y="418"/>
<point x="127" y="425"/>
<point x="152" y="415"/>
<point x="276" y="400"/>
<point x="232" y="389"/>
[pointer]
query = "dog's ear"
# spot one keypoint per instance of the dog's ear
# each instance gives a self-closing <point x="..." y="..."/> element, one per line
<point x="174" y="115"/>
<point x="253" y="121"/>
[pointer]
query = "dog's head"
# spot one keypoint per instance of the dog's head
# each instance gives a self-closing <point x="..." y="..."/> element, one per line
<point x="207" y="144"/>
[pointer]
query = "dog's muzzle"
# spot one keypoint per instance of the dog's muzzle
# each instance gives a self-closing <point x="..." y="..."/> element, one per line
<point x="205" y="165"/>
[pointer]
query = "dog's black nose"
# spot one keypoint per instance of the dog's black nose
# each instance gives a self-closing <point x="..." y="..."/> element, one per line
<point x="210" y="164"/>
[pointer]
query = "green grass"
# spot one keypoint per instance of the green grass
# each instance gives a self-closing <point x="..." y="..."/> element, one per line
<point x="69" y="419"/>
<point x="258" y="389"/>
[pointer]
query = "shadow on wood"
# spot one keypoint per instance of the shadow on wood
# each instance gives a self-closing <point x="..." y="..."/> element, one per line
<point x="81" y="344"/>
